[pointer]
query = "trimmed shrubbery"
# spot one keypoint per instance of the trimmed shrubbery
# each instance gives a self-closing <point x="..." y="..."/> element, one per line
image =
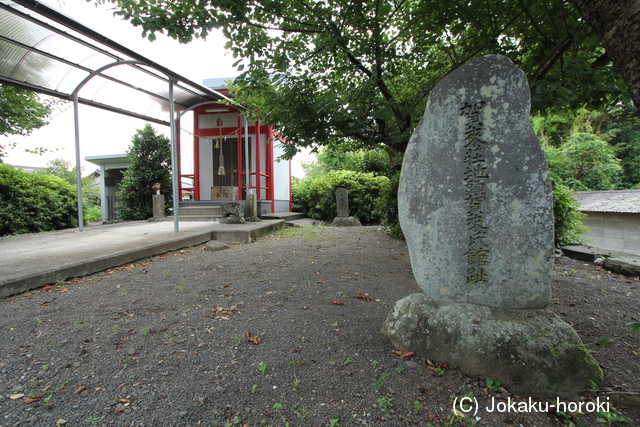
<point x="317" y="197"/>
<point x="375" y="200"/>
<point x="32" y="203"/>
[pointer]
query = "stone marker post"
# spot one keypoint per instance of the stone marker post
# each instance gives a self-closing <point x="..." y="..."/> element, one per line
<point x="251" y="208"/>
<point x="342" y="203"/>
<point x="342" y="207"/>
<point x="158" y="202"/>
<point x="475" y="206"/>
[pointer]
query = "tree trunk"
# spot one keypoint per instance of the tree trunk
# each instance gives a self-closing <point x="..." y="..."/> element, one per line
<point x="617" y="25"/>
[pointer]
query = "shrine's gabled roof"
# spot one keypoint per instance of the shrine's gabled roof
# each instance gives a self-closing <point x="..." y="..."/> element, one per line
<point x="46" y="51"/>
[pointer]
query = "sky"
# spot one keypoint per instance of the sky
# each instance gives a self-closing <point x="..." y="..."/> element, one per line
<point x="103" y="132"/>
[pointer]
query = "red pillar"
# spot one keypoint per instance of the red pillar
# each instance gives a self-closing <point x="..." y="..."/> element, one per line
<point x="240" y="155"/>
<point x="269" y="167"/>
<point x="258" y="171"/>
<point x="196" y="158"/>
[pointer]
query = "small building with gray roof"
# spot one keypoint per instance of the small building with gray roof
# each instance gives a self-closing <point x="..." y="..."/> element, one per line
<point x="613" y="218"/>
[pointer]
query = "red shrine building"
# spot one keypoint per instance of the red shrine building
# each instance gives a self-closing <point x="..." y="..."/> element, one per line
<point x="232" y="158"/>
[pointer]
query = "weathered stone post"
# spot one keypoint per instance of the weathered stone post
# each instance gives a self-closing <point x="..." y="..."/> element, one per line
<point x="251" y="208"/>
<point x="475" y="206"/>
<point x="158" y="202"/>
<point x="342" y="207"/>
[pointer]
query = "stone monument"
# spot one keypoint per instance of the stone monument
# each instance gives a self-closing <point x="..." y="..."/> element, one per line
<point x="342" y="206"/>
<point x="475" y="206"/>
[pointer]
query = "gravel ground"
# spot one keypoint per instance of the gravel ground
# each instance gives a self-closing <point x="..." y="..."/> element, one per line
<point x="280" y="332"/>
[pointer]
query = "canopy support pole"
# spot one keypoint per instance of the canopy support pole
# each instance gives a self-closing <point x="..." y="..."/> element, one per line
<point x="76" y="123"/>
<point x="174" y="160"/>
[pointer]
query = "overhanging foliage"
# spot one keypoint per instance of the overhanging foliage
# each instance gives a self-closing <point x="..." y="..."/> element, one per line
<point x="358" y="73"/>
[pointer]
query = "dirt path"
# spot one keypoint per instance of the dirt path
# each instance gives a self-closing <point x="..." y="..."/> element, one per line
<point x="283" y="331"/>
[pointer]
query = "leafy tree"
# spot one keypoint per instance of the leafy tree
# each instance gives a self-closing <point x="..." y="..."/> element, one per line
<point x="616" y="24"/>
<point x="327" y="160"/>
<point x="357" y="73"/>
<point x="331" y="159"/>
<point x="21" y="111"/>
<point x="607" y="160"/>
<point x="585" y="162"/>
<point x="32" y="203"/>
<point x="61" y="168"/>
<point x="624" y="123"/>
<point x="150" y="163"/>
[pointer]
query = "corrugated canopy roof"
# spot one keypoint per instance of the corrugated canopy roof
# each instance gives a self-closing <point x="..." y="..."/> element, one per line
<point x="46" y="51"/>
<point x="620" y="201"/>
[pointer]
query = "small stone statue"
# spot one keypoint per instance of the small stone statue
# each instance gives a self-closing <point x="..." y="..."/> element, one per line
<point x="156" y="187"/>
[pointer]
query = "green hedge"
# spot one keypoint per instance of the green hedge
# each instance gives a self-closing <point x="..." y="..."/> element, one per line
<point x="388" y="208"/>
<point x="364" y="190"/>
<point x="375" y="200"/>
<point x="32" y="203"/>
<point x="567" y="218"/>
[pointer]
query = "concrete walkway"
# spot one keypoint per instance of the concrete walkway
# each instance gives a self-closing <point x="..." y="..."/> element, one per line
<point x="34" y="260"/>
<point x="617" y="261"/>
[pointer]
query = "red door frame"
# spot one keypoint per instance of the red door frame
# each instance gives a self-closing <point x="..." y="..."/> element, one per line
<point x="258" y="130"/>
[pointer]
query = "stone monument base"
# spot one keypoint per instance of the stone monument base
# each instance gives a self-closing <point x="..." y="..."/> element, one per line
<point x="531" y="352"/>
<point x="232" y="213"/>
<point x="231" y="219"/>
<point x="346" y="222"/>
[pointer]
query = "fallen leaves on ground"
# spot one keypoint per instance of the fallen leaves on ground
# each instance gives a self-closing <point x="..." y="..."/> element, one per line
<point x="337" y="302"/>
<point x="365" y="297"/>
<point x="219" y="313"/>
<point x="255" y="340"/>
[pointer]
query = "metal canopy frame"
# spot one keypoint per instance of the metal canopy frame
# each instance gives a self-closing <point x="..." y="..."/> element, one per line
<point x="46" y="51"/>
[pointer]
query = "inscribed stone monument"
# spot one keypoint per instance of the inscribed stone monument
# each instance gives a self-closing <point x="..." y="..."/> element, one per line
<point x="475" y="206"/>
<point x="342" y="202"/>
<point x="474" y="200"/>
<point x="342" y="207"/>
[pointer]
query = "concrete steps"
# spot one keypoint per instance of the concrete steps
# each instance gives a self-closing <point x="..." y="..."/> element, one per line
<point x="199" y="213"/>
<point x="287" y="216"/>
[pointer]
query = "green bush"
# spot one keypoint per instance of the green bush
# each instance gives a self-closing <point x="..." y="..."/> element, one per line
<point x="567" y="218"/>
<point x="92" y="214"/>
<point x="375" y="200"/>
<point x="300" y="194"/>
<point x="364" y="190"/>
<point x="387" y="208"/>
<point x="31" y="203"/>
